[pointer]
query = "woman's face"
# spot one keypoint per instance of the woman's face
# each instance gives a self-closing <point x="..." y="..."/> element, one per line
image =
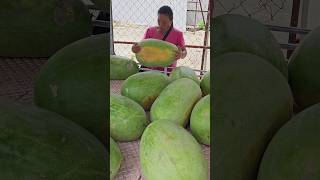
<point x="164" y="22"/>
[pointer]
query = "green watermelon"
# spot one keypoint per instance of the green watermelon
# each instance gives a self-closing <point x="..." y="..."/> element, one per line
<point x="144" y="87"/>
<point x="121" y="67"/>
<point x="127" y="118"/>
<point x="73" y="84"/>
<point x="250" y="103"/>
<point x="205" y="83"/>
<point x="176" y="101"/>
<point x="236" y="33"/>
<point x="304" y="67"/>
<point x="293" y="152"/>
<point x="33" y="28"/>
<point x="184" y="72"/>
<point x="156" y="53"/>
<point x="116" y="159"/>
<point x="168" y="151"/>
<point x="200" y="120"/>
<point x="37" y="144"/>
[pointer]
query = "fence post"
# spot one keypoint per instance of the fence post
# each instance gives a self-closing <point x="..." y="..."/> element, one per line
<point x="304" y="15"/>
<point x="205" y="43"/>
<point x="293" y="23"/>
<point x="111" y="32"/>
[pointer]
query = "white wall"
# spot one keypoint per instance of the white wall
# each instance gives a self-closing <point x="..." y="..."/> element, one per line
<point x="191" y="15"/>
<point x="282" y="19"/>
<point x="144" y="12"/>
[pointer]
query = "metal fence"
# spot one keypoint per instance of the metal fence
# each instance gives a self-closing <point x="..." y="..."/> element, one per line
<point x="266" y="11"/>
<point x="287" y="19"/>
<point x="132" y="18"/>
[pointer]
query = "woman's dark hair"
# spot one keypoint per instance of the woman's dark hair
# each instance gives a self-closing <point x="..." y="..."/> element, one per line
<point x="166" y="10"/>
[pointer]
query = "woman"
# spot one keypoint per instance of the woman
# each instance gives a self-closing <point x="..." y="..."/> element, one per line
<point x="166" y="32"/>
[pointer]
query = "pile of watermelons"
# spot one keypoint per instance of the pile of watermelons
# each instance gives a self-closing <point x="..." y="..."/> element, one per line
<point x="63" y="135"/>
<point x="68" y="139"/>
<point x="257" y="132"/>
<point x="36" y="28"/>
<point x="167" y="149"/>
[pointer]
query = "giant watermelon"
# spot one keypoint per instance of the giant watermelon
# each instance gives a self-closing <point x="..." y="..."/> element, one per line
<point x="116" y="159"/>
<point x="144" y="87"/>
<point x="176" y="101"/>
<point x="293" y="152"/>
<point x="200" y="120"/>
<point x="73" y="83"/>
<point x="250" y="103"/>
<point x="156" y="53"/>
<point x="236" y="33"/>
<point x="37" y="144"/>
<point x="121" y="67"/>
<point x="184" y="72"/>
<point x="205" y="83"/>
<point x="168" y="151"/>
<point x="35" y="28"/>
<point x="304" y="71"/>
<point x="127" y="118"/>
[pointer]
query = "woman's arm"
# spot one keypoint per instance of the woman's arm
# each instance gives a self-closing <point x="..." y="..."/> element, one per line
<point x="181" y="53"/>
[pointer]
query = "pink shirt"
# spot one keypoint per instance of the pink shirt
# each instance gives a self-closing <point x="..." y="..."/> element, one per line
<point x="175" y="37"/>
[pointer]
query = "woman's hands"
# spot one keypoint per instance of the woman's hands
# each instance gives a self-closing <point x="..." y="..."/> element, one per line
<point x="136" y="48"/>
<point x="180" y="53"/>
